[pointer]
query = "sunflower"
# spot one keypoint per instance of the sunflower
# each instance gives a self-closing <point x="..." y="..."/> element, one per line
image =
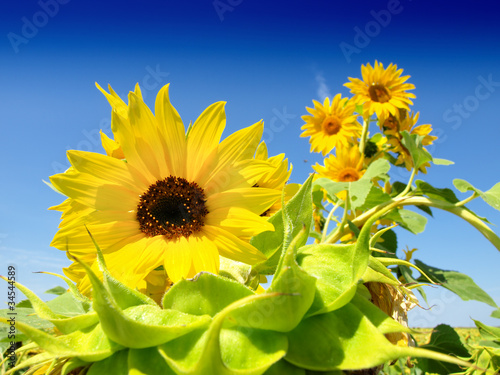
<point x="160" y="199"/>
<point x="382" y="91"/>
<point x="346" y="166"/>
<point x="406" y="121"/>
<point x="331" y="125"/>
<point x="276" y="177"/>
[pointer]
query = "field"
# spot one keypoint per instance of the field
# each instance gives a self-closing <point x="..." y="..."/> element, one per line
<point x="469" y="336"/>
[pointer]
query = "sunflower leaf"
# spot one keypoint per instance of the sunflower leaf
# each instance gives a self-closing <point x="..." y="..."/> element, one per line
<point x="460" y="284"/>
<point x="492" y="196"/>
<point x="444" y="339"/>
<point x="413" y="143"/>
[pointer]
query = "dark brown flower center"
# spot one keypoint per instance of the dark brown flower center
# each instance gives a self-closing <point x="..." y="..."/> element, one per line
<point x="172" y="207"/>
<point x="379" y="93"/>
<point x="331" y="125"/>
<point x="348" y="175"/>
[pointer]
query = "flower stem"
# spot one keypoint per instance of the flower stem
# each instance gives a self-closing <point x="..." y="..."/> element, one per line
<point x="410" y="182"/>
<point x="467" y="200"/>
<point x="460" y="211"/>
<point x="328" y="219"/>
<point x="364" y="134"/>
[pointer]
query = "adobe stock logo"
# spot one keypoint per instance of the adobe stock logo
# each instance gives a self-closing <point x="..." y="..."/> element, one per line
<point x="31" y="26"/>
<point x="363" y="37"/>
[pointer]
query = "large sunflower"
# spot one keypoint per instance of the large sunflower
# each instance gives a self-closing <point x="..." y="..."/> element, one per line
<point x="331" y="125"/>
<point x="382" y="91"/>
<point x="161" y="198"/>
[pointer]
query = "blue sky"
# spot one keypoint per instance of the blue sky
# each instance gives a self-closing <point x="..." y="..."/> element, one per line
<point x="268" y="60"/>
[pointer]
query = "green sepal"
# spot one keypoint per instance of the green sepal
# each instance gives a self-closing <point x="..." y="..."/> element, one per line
<point x="123" y="296"/>
<point x="63" y="323"/>
<point x="147" y="361"/>
<point x="383" y="322"/>
<point x="138" y="326"/>
<point x="288" y="222"/>
<point x="340" y="339"/>
<point x="116" y="365"/>
<point x="90" y="344"/>
<point x="283" y="367"/>
<point x="294" y="293"/>
<point x="378" y="272"/>
<point x="72" y="364"/>
<point x="225" y="351"/>
<point x="206" y="294"/>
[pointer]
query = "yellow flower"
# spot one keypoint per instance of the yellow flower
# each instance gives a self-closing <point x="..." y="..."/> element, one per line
<point x="406" y="122"/>
<point x="161" y="198"/>
<point x="346" y="166"/>
<point x="332" y="125"/>
<point x="382" y="91"/>
<point x="276" y="177"/>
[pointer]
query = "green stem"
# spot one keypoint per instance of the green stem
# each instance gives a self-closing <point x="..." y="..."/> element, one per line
<point x="364" y="133"/>
<point x="467" y="200"/>
<point x="343" y="223"/>
<point x="410" y="182"/>
<point x="328" y="219"/>
<point x="421" y="201"/>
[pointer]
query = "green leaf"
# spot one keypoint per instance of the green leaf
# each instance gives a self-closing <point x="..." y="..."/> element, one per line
<point x="460" y="284"/>
<point x="58" y="290"/>
<point x="442" y="161"/>
<point x="492" y="196"/>
<point x="287" y="223"/>
<point x="409" y="220"/>
<point x="496" y="313"/>
<point x="413" y="143"/>
<point x="488" y="332"/>
<point x="444" y="339"/>
<point x="378" y="169"/>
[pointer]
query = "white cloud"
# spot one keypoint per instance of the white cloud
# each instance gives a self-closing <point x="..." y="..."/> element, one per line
<point x="323" y="91"/>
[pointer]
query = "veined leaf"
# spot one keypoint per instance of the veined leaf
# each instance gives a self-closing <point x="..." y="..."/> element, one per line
<point x="460" y="284"/>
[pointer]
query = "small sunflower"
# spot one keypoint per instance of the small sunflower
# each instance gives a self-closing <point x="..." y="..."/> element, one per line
<point x="345" y="166"/>
<point x="382" y="91"/>
<point x="331" y="125"/>
<point x="161" y="200"/>
<point x="406" y="122"/>
<point x="276" y="177"/>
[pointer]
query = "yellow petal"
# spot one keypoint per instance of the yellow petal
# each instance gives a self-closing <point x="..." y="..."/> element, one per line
<point x="256" y="200"/>
<point x="173" y="132"/>
<point x="177" y="259"/>
<point x="108" y="169"/>
<point x="238" y="221"/>
<point x="232" y="247"/>
<point x="95" y="193"/>
<point x="204" y="137"/>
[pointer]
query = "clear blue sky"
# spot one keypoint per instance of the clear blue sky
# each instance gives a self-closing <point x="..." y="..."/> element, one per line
<point x="267" y="60"/>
